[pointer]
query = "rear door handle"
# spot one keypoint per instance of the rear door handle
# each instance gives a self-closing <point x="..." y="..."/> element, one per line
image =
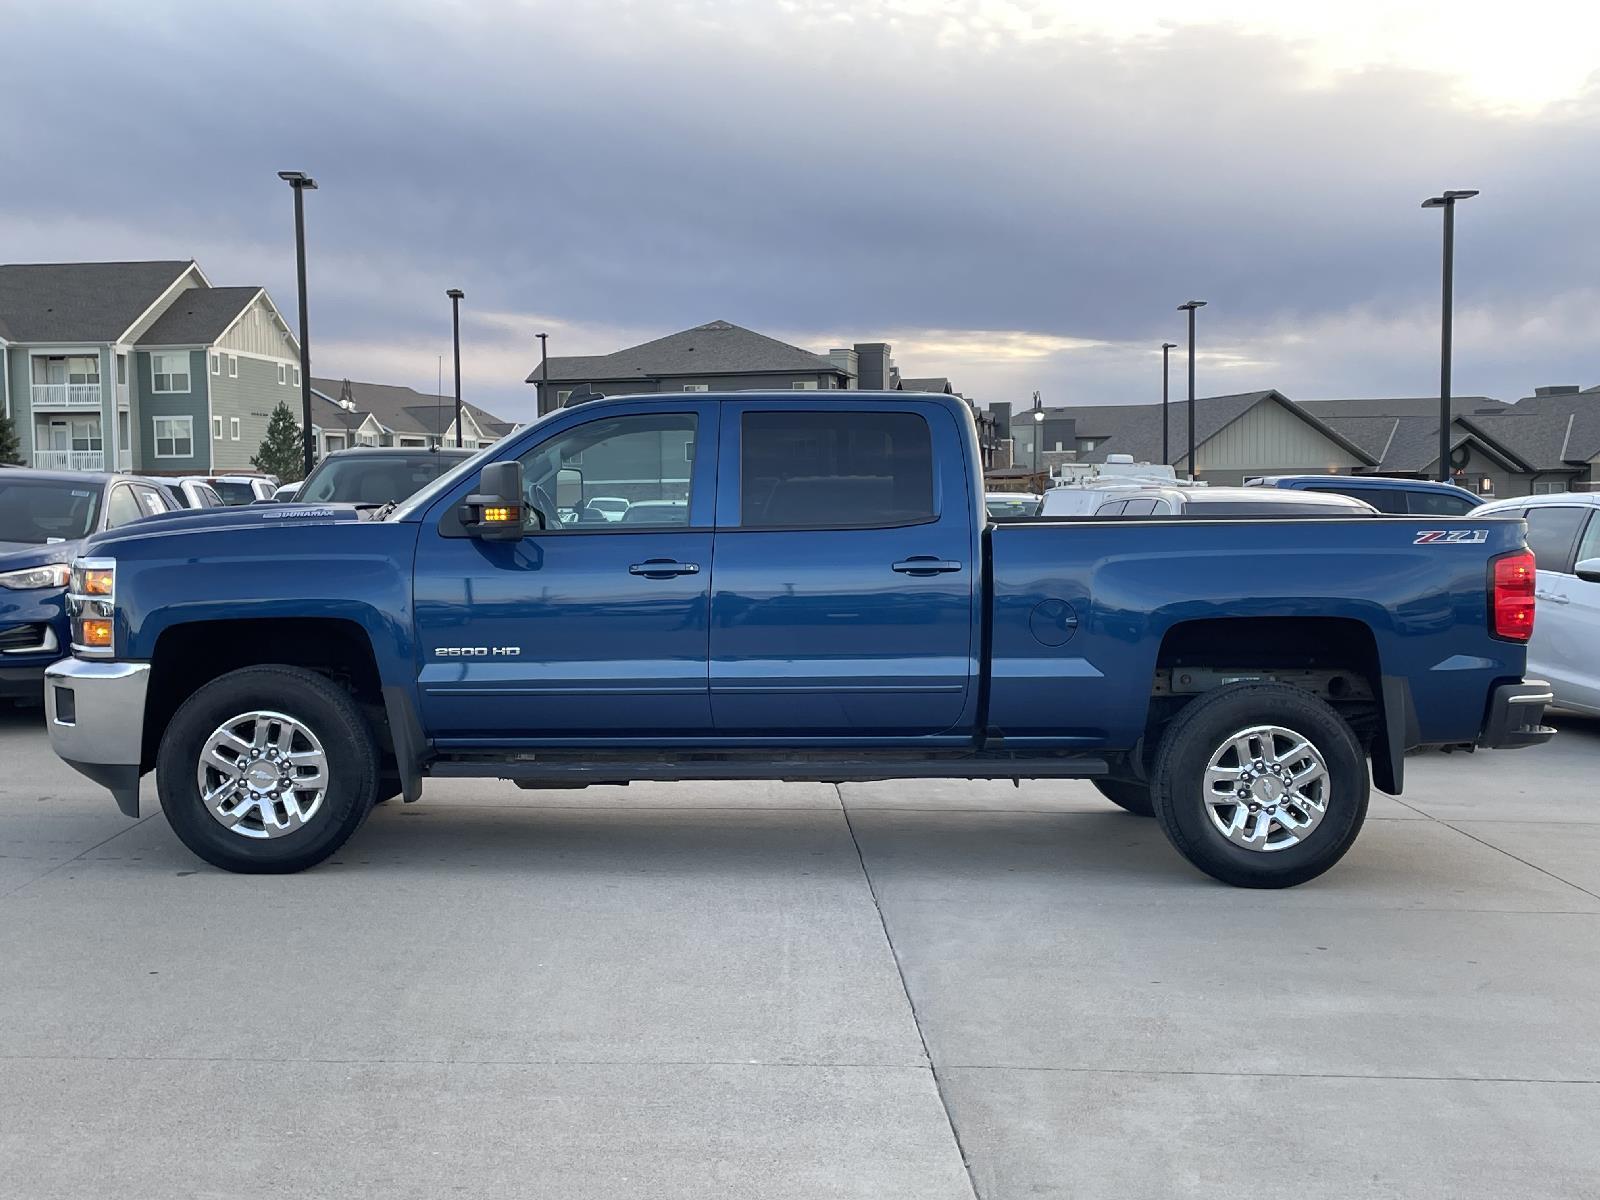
<point x="1553" y="597"/>
<point x="926" y="564"/>
<point x="663" y="568"/>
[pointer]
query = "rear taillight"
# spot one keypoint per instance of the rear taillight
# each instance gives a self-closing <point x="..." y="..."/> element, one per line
<point x="1511" y="582"/>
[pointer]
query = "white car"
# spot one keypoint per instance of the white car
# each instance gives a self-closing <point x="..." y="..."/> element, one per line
<point x="612" y="508"/>
<point x="1564" y="535"/>
<point x="287" y="492"/>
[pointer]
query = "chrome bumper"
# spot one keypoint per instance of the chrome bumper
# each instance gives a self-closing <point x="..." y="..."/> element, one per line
<point x="94" y="712"/>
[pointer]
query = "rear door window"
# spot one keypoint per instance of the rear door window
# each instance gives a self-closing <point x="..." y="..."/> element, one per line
<point x="1552" y="532"/>
<point x="1439" y="504"/>
<point x="1139" y="508"/>
<point x="821" y="470"/>
<point x="1385" y="500"/>
<point x="1115" y="509"/>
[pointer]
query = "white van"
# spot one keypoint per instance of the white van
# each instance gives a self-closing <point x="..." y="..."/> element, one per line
<point x="1564" y="535"/>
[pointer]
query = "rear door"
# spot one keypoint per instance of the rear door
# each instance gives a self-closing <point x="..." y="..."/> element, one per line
<point x="1556" y="647"/>
<point x="845" y="571"/>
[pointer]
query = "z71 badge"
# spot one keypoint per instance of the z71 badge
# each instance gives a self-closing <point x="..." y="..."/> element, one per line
<point x="1470" y="536"/>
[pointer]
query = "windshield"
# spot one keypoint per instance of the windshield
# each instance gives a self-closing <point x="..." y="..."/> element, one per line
<point x="1012" y="506"/>
<point x="235" y="493"/>
<point x="372" y="478"/>
<point x="426" y="495"/>
<point x="46" y="510"/>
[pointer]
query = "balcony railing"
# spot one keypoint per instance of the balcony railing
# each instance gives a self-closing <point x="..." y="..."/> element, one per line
<point x="66" y="395"/>
<point x="69" y="460"/>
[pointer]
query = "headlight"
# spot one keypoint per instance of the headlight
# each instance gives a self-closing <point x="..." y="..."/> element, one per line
<point x="91" y="605"/>
<point x="30" y="578"/>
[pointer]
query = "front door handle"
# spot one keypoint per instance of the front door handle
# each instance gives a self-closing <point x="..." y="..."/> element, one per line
<point x="1552" y="597"/>
<point x="663" y="568"/>
<point x="926" y="564"/>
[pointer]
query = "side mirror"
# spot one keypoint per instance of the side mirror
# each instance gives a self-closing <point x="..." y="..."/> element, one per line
<point x="1589" y="570"/>
<point x="494" y="512"/>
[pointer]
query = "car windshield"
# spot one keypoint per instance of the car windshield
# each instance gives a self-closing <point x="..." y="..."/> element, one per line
<point x="1012" y="506"/>
<point x="46" y="510"/>
<point x="235" y="492"/>
<point x="372" y="478"/>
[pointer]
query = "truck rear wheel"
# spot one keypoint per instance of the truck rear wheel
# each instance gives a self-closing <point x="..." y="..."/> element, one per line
<point x="1135" y="797"/>
<point x="1260" y="785"/>
<point x="267" y="770"/>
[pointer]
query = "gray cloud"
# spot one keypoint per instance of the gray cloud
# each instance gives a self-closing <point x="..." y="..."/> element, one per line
<point x="641" y="167"/>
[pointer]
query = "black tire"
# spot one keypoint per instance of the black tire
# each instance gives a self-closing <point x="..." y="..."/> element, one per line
<point x="1202" y="729"/>
<point x="321" y="707"/>
<point x="1135" y="797"/>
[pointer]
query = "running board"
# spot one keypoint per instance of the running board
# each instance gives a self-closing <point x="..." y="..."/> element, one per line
<point x="568" y="770"/>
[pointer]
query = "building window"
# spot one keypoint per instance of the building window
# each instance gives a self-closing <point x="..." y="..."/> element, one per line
<point x="169" y="372"/>
<point x="233" y="366"/>
<point x="233" y="428"/>
<point x="296" y="376"/>
<point x="216" y="364"/>
<point x="216" y="429"/>
<point x="283" y="374"/>
<point x="1087" y="443"/>
<point x="413" y="442"/>
<point x="563" y="396"/>
<point x="86" y="435"/>
<point x="174" y="437"/>
<point x="1549" y="487"/>
<point x="122" y="369"/>
<point x="803" y="385"/>
<point x="697" y="387"/>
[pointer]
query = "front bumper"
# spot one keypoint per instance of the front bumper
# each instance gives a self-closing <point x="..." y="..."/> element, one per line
<point x="1516" y="713"/>
<point x="94" y="712"/>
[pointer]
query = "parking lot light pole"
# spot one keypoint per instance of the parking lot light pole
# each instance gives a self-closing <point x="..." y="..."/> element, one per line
<point x="544" y="370"/>
<point x="1038" y="430"/>
<point x="1446" y="201"/>
<point x="1166" y="355"/>
<point x="301" y="183"/>
<point x="1189" y="307"/>
<point x="456" y="296"/>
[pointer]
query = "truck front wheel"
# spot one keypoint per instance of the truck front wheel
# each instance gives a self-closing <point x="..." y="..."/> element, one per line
<point x="1260" y="785"/>
<point x="267" y="770"/>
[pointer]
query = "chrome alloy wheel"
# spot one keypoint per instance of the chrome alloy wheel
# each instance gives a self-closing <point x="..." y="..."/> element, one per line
<point x="262" y="774"/>
<point x="1266" y="788"/>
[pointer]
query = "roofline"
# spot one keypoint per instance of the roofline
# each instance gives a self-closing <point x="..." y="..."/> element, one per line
<point x="1278" y="397"/>
<point x="260" y="294"/>
<point x="190" y="266"/>
<point x="1496" y="448"/>
<point x="828" y="369"/>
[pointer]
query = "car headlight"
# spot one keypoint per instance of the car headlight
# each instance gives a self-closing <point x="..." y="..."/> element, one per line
<point x="31" y="578"/>
<point x="91" y="605"/>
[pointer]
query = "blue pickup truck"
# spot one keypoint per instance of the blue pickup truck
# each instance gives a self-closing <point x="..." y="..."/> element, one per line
<point x="801" y="587"/>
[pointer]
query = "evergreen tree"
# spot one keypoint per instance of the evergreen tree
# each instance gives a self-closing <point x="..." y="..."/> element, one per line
<point x="10" y="447"/>
<point x="281" y="453"/>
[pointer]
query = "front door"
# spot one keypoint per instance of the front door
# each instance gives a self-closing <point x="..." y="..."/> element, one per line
<point x="1553" y="531"/>
<point x="589" y="627"/>
<point x="845" y="572"/>
<point x="1567" y="625"/>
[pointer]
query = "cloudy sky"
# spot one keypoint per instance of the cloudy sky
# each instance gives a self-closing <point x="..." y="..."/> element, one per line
<point x="1014" y="194"/>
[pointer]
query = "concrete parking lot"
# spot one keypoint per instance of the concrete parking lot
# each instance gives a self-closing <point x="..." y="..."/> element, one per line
<point x="901" y="990"/>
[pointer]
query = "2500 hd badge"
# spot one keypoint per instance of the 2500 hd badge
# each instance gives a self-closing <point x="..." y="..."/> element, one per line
<point x="477" y="651"/>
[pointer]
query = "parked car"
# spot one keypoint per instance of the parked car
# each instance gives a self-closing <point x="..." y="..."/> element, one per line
<point x="1564" y="535"/>
<point x="612" y="508"/>
<point x="375" y="475"/>
<point x="188" y="491"/>
<point x="287" y="492"/>
<point x="657" y="512"/>
<point x="44" y="518"/>
<point x="1206" y="503"/>
<point x="283" y="668"/>
<point x="1418" y="497"/>
<point x="243" y="489"/>
<point x="1081" y="500"/>
<point x="1011" y="504"/>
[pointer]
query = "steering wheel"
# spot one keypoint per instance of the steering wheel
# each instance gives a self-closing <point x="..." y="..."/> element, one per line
<point x="545" y="503"/>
